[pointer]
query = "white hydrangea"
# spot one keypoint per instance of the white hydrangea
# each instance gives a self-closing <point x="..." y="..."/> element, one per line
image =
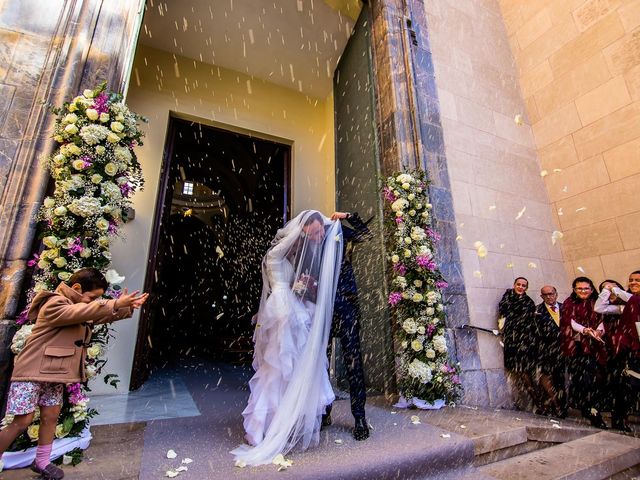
<point x="111" y="191"/>
<point x="86" y="206"/>
<point x="122" y="154"/>
<point x="400" y="281"/>
<point x="399" y="205"/>
<point x="420" y="370"/>
<point x="404" y="178"/>
<point x="417" y="233"/>
<point x="432" y="296"/>
<point x="93" y="134"/>
<point x="20" y="338"/>
<point x="74" y="182"/>
<point x="410" y="326"/>
<point x="440" y="344"/>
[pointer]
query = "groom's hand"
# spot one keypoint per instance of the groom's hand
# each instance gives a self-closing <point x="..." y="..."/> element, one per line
<point x="338" y="216"/>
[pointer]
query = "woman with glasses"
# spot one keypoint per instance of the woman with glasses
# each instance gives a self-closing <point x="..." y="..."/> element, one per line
<point x="581" y="332"/>
<point x="517" y="309"/>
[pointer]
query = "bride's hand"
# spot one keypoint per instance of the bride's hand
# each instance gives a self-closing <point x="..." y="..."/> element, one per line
<point x="338" y="216"/>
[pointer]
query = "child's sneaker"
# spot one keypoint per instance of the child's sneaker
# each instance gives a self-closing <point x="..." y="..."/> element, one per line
<point x="50" y="472"/>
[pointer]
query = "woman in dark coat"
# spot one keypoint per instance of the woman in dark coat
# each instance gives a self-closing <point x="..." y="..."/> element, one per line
<point x="518" y="310"/>
<point x="581" y="332"/>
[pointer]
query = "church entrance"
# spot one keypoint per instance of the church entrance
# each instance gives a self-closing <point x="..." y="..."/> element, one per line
<point x="223" y="196"/>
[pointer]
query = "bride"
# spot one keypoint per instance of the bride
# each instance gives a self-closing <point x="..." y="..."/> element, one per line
<point x="290" y="389"/>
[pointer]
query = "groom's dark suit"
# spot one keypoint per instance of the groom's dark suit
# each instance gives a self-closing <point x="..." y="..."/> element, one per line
<point x="346" y="314"/>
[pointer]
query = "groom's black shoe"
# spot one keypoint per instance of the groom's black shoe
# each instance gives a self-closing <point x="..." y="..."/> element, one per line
<point x="361" y="430"/>
<point x="326" y="420"/>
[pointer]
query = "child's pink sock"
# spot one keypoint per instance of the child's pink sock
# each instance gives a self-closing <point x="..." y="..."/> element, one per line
<point x="43" y="454"/>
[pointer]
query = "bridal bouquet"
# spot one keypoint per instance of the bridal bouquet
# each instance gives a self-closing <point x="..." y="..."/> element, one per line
<point x="306" y="287"/>
<point x="425" y="370"/>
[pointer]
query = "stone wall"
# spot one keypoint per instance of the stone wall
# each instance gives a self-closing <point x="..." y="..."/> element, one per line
<point x="499" y="198"/>
<point x="579" y="70"/>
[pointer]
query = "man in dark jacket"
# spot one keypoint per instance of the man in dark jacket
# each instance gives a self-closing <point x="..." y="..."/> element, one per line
<point x="345" y="325"/>
<point x="550" y="360"/>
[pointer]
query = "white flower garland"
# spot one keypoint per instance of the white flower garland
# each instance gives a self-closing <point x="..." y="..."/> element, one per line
<point x="95" y="171"/>
<point x="424" y="368"/>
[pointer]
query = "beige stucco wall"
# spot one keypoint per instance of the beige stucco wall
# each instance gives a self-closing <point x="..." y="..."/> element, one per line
<point x="228" y="98"/>
<point x="579" y="68"/>
<point x="498" y="194"/>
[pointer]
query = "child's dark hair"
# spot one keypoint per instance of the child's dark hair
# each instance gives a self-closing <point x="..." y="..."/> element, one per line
<point x="89" y="279"/>
<point x="592" y="296"/>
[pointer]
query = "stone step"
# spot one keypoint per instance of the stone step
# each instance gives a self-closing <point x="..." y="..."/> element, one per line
<point x="594" y="457"/>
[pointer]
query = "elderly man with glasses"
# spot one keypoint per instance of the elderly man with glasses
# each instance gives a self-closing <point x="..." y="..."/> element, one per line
<point x="551" y="363"/>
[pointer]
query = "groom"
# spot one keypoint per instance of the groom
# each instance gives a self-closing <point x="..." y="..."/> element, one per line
<point x="346" y="314"/>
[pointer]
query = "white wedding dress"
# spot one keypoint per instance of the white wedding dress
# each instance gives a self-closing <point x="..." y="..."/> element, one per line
<point x="290" y="389"/>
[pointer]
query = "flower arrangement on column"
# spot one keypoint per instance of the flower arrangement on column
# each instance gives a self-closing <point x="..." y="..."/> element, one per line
<point x="95" y="172"/>
<point x="424" y="369"/>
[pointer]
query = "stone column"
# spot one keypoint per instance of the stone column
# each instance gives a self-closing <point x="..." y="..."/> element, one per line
<point x="50" y="50"/>
<point x="411" y="137"/>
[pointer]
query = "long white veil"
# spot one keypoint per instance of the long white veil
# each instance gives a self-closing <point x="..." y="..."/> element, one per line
<point x="296" y="420"/>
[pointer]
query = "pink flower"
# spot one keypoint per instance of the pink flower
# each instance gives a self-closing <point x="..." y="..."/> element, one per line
<point x="399" y="220"/>
<point x="435" y="236"/>
<point x="389" y="196"/>
<point x="399" y="268"/>
<point x="441" y="284"/>
<point x="394" y="298"/>
<point x="23" y="318"/>
<point x="425" y="261"/>
<point x="34" y="260"/>
<point x="100" y="103"/>
<point x="455" y="379"/>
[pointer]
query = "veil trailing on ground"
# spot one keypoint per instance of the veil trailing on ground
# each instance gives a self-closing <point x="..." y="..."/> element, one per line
<point x="291" y="388"/>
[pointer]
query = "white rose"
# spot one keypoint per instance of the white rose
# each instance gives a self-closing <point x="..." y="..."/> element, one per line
<point x="60" y="211"/>
<point x="85" y="253"/>
<point x="117" y="127"/>
<point x="411" y="196"/>
<point x="395" y="258"/>
<point x="113" y="138"/>
<point x="421" y="330"/>
<point x="88" y="93"/>
<point x="407" y="253"/>
<point x="417" y="283"/>
<point x="50" y="241"/>
<point x="110" y="169"/>
<point x="60" y="262"/>
<point x="416" y="345"/>
<point x="59" y="160"/>
<point x="64" y="276"/>
<point x="70" y="118"/>
<point x="42" y="263"/>
<point x="78" y="164"/>
<point x="49" y="202"/>
<point x="94" y="351"/>
<point x="33" y="431"/>
<point x="417" y="297"/>
<point x="100" y="149"/>
<point x="96" y="179"/>
<point x="92" y="114"/>
<point x="430" y="353"/>
<point x="104" y="117"/>
<point x="407" y="240"/>
<point x="406" y="186"/>
<point x="102" y="224"/>
<point x="71" y="129"/>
